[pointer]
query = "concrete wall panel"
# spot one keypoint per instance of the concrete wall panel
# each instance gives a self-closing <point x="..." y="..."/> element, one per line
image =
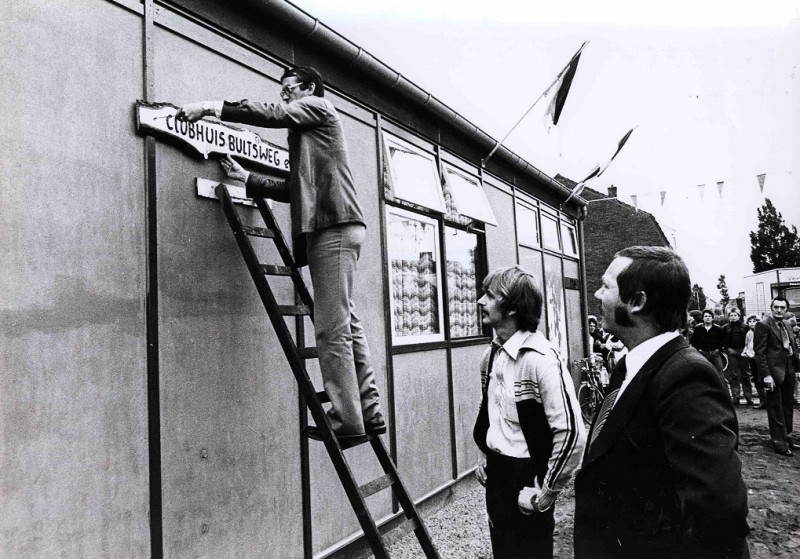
<point x="73" y="409"/>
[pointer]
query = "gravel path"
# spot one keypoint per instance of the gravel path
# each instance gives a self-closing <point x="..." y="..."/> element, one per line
<point x="460" y="531"/>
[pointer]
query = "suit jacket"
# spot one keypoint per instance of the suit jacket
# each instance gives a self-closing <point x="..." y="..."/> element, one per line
<point x="663" y="478"/>
<point x="770" y="354"/>
<point x="320" y="188"/>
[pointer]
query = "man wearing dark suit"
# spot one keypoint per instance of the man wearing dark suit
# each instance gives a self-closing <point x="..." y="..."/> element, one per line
<point x="777" y="360"/>
<point x="661" y="477"/>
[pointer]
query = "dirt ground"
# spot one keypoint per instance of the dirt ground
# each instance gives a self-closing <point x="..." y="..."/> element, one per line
<point x="459" y="530"/>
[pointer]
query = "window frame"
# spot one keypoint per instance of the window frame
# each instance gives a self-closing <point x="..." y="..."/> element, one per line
<point x="389" y="138"/>
<point x="457" y="193"/>
<point x="442" y="334"/>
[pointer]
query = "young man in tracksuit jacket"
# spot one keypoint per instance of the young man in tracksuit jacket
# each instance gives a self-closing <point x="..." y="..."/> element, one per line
<point x="529" y="424"/>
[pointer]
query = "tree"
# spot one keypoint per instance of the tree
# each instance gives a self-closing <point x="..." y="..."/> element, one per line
<point x="723" y="291"/>
<point x="774" y="245"/>
<point x="698" y="300"/>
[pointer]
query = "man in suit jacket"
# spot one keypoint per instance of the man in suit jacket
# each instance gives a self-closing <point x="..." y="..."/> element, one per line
<point x="777" y="360"/>
<point x="661" y="477"/>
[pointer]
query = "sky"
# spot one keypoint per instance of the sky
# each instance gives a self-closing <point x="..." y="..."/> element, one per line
<point x="711" y="88"/>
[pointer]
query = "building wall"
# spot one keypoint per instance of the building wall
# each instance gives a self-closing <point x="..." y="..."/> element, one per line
<point x="77" y="253"/>
<point x="73" y="361"/>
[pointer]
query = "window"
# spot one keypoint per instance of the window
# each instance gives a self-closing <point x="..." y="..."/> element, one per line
<point x="550" y="232"/>
<point x="462" y="283"/>
<point x="470" y="199"/>
<point x="413" y="174"/>
<point x="527" y="228"/>
<point x="569" y="239"/>
<point x="415" y="275"/>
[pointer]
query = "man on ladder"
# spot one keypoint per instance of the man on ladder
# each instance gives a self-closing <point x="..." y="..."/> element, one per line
<point x="328" y="230"/>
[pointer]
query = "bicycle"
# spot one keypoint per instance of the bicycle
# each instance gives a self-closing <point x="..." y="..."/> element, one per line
<point x="591" y="392"/>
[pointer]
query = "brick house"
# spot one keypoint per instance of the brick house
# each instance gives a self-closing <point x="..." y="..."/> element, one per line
<point x="610" y="226"/>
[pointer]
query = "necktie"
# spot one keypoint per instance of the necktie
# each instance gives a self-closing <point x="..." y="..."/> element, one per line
<point x="785" y="337"/>
<point x="608" y="402"/>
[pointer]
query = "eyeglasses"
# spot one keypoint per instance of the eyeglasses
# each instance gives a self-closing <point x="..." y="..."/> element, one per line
<point x="287" y="90"/>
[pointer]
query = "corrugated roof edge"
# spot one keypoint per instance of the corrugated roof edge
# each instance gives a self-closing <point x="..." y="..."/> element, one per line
<point x="305" y="25"/>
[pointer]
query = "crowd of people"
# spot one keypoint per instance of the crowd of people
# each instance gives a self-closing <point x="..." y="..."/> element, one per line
<point x="657" y="473"/>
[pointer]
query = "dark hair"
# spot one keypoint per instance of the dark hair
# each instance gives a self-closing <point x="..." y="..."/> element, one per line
<point x="708" y="311"/>
<point x="306" y="75"/>
<point x="518" y="292"/>
<point x="592" y="320"/>
<point x="780" y="298"/>
<point x="663" y="276"/>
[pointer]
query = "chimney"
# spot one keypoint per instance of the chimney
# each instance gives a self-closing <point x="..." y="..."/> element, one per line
<point x="612" y="191"/>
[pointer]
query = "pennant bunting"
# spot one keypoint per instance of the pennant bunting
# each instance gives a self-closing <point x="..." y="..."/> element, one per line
<point x="720" y="184"/>
<point x="761" y="179"/>
<point x="700" y="189"/>
<point x="663" y="195"/>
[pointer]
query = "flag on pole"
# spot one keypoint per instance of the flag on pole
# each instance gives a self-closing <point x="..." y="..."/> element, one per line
<point x="635" y="203"/>
<point x="563" y="89"/>
<point x="598" y="170"/>
<point x="663" y="195"/>
<point x="700" y="188"/>
<point x="761" y="179"/>
<point x="720" y="184"/>
<point x="564" y="82"/>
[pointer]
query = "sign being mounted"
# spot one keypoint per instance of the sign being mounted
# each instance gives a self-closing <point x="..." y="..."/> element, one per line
<point x="210" y="136"/>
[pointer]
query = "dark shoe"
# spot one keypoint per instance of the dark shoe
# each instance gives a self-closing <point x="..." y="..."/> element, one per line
<point x="793" y="445"/>
<point x="345" y="441"/>
<point x="784" y="452"/>
<point x="375" y="425"/>
<point x="759" y="407"/>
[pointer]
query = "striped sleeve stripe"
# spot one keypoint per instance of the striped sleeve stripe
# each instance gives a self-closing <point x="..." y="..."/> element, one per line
<point x="567" y="451"/>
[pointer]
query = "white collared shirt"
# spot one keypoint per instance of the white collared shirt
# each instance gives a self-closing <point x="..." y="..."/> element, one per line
<point x="505" y="435"/>
<point x="639" y="355"/>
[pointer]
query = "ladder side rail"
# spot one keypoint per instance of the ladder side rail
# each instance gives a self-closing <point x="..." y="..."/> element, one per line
<point x="285" y="253"/>
<point x="335" y="452"/>
<point x="421" y="531"/>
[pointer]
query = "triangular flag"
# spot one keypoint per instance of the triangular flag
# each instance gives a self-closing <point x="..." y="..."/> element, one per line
<point x="619" y="147"/>
<point x="564" y="83"/>
<point x="663" y="195"/>
<point x="635" y="204"/>
<point x="720" y="184"/>
<point x="761" y="179"/>
<point x="700" y="188"/>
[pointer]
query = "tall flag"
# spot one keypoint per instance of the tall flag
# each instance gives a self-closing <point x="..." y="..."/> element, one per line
<point x="635" y="203"/>
<point x="564" y="82"/>
<point x="720" y="184"/>
<point x="761" y="179"/>
<point x="700" y="188"/>
<point x="563" y="89"/>
<point x="663" y="195"/>
<point x="597" y="170"/>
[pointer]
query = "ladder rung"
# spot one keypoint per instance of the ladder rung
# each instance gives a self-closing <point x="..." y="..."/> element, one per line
<point x="307" y="352"/>
<point x="272" y="270"/>
<point x="294" y="310"/>
<point x="378" y="484"/>
<point x="323" y="398"/>
<point x="258" y="232"/>
<point x="399" y="532"/>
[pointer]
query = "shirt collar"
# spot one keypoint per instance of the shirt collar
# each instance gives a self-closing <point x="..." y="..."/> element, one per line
<point x="639" y="355"/>
<point x="514" y="343"/>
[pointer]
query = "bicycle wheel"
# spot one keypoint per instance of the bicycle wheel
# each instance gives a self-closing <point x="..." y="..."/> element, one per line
<point x="589" y="398"/>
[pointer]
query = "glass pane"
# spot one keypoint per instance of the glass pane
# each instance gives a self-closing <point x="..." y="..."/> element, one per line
<point x="554" y="301"/>
<point x="570" y="240"/>
<point x="415" y="177"/>
<point x="414" y="272"/>
<point x="469" y="196"/>
<point x="550" y="232"/>
<point x="462" y="283"/>
<point x="527" y="229"/>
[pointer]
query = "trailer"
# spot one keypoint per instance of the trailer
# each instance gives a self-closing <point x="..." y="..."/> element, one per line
<point x="760" y="288"/>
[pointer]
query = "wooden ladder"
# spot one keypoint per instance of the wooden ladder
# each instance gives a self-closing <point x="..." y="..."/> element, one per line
<point x="313" y="399"/>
